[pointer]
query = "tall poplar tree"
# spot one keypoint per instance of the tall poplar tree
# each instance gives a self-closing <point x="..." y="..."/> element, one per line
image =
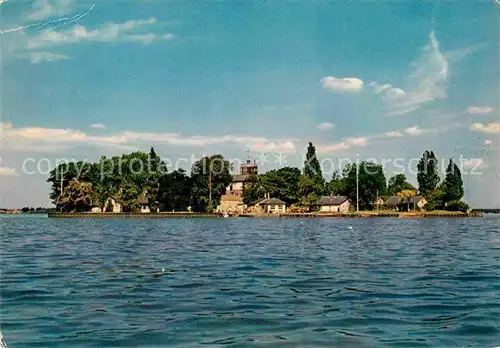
<point x="427" y="175"/>
<point x="453" y="184"/>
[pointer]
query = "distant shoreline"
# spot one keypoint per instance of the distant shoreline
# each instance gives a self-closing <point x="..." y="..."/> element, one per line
<point x="170" y="215"/>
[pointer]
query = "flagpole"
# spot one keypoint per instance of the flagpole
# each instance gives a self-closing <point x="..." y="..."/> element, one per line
<point x="357" y="187"/>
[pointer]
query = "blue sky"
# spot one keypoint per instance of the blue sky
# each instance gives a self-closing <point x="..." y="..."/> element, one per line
<point x="380" y="80"/>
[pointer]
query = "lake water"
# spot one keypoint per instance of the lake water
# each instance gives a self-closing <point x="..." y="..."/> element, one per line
<point x="250" y="282"/>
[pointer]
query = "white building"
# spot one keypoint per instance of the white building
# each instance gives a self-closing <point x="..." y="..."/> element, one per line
<point x="112" y="206"/>
<point x="232" y="200"/>
<point x="333" y="204"/>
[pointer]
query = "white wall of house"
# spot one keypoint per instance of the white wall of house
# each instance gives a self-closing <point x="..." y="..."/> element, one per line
<point x="275" y="208"/>
<point x="117" y="207"/>
<point x="342" y="208"/>
<point x="145" y="209"/>
<point x="421" y="204"/>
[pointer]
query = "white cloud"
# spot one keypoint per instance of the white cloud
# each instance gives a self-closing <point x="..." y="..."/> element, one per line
<point x="479" y="110"/>
<point x="109" y="32"/>
<point x="493" y="127"/>
<point x="460" y="53"/>
<point x="98" y="126"/>
<point x="359" y="141"/>
<point x="414" y="131"/>
<point x="394" y="134"/>
<point x="426" y="82"/>
<point x="37" y="57"/>
<point x="387" y="91"/>
<point x="348" y="84"/>
<point x="344" y="145"/>
<point x="52" y="140"/>
<point x="286" y="146"/>
<point x="325" y="126"/>
<point x="7" y="171"/>
<point x="45" y="8"/>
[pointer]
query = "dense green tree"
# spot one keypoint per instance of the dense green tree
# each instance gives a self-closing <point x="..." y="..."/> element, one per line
<point x="453" y="184"/>
<point x="457" y="206"/>
<point x="110" y="175"/>
<point x="66" y="172"/>
<point x="128" y="194"/>
<point x="76" y="196"/>
<point x="335" y="186"/>
<point x="210" y="177"/>
<point x="312" y="169"/>
<point x="427" y="175"/>
<point x="398" y="183"/>
<point x="309" y="191"/>
<point x="282" y="183"/>
<point x="436" y="199"/>
<point x="371" y="181"/>
<point x="175" y="191"/>
<point x="156" y="169"/>
<point x="253" y="189"/>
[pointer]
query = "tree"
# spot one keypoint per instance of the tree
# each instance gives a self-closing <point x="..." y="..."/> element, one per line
<point x="427" y="176"/>
<point x="453" y="184"/>
<point x="308" y="191"/>
<point x="210" y="177"/>
<point x="398" y="183"/>
<point x="282" y="183"/>
<point x="66" y="172"/>
<point x="371" y="181"/>
<point x="253" y="189"/>
<point x="312" y="169"/>
<point x="336" y="185"/>
<point x="436" y="199"/>
<point x="175" y="191"/>
<point x="128" y="194"/>
<point x="457" y="206"/>
<point x="156" y="169"/>
<point x="407" y="194"/>
<point x="76" y="196"/>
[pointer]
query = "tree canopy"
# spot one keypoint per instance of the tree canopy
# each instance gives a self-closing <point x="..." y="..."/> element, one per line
<point x="210" y="177"/>
<point x="398" y="183"/>
<point x="372" y="183"/>
<point x="76" y="196"/>
<point x="453" y="184"/>
<point x="123" y="176"/>
<point x="312" y="167"/>
<point x="427" y="175"/>
<point x="130" y="176"/>
<point x="282" y="183"/>
<point x="175" y="191"/>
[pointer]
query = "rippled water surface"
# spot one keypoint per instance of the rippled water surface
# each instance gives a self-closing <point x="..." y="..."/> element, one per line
<point x="250" y="282"/>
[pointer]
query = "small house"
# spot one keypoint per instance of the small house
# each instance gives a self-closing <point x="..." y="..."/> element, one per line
<point x="333" y="204"/>
<point x="413" y="203"/>
<point x="268" y="206"/>
<point x="143" y="203"/>
<point x="379" y="202"/>
<point x="393" y="202"/>
<point x="112" y="206"/>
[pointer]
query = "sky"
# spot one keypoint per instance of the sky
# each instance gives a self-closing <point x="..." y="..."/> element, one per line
<point x="383" y="81"/>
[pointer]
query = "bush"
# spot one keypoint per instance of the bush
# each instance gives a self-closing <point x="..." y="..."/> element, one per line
<point x="457" y="206"/>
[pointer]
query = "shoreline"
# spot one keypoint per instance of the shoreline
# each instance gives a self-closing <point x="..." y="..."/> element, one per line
<point x="188" y="215"/>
